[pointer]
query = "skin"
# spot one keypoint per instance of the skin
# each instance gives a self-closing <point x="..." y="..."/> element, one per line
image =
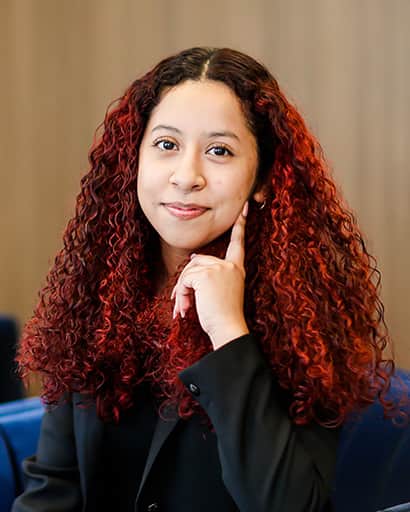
<point x="218" y="286"/>
<point x="191" y="166"/>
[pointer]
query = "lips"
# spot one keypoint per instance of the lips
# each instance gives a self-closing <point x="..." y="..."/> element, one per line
<point x="186" y="207"/>
<point x="185" y="212"/>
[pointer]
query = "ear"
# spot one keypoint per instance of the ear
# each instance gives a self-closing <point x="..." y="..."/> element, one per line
<point x="260" y="194"/>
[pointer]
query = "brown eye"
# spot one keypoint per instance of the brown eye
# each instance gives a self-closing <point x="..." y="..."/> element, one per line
<point x="221" y="150"/>
<point x="167" y="144"/>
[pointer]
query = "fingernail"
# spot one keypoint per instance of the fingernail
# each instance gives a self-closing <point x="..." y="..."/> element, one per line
<point x="174" y="313"/>
<point x="183" y="314"/>
<point x="173" y="293"/>
<point x="245" y="209"/>
<point x="192" y="255"/>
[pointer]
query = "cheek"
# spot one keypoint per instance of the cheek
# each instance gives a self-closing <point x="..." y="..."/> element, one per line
<point x="238" y="191"/>
<point x="146" y="182"/>
<point x="140" y="186"/>
<point x="229" y="199"/>
<point x="145" y="174"/>
<point x="144" y="191"/>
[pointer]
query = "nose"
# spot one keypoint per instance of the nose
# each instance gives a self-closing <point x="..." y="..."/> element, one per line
<point x="188" y="174"/>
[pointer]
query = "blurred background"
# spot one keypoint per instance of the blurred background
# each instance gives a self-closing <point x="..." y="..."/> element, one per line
<point x="344" y="63"/>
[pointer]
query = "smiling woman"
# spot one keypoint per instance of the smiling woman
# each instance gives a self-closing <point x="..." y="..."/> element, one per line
<point x="195" y="161"/>
<point x="212" y="318"/>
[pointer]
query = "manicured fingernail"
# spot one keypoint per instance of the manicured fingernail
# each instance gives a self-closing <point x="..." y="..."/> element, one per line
<point x="174" y="313"/>
<point x="192" y="255"/>
<point x="245" y="209"/>
<point x="183" y="314"/>
<point x="173" y="293"/>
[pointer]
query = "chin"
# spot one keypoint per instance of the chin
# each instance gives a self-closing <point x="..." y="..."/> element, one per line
<point x="183" y="240"/>
<point x="182" y="245"/>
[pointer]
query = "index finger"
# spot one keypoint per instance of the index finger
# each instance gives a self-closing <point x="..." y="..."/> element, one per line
<point x="236" y="248"/>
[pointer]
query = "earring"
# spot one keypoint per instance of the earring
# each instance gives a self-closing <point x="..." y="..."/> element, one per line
<point x="263" y="205"/>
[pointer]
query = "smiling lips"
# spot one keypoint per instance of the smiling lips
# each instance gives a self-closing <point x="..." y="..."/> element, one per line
<point x="185" y="211"/>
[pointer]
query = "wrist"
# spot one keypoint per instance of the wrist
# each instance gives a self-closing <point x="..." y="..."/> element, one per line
<point x="227" y="333"/>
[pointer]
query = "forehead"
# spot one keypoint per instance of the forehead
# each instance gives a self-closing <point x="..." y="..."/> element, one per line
<point x="210" y="104"/>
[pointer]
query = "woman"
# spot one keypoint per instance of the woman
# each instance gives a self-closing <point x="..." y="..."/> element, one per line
<point x="209" y="322"/>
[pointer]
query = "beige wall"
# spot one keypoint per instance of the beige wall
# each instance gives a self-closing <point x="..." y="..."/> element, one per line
<point x="345" y="63"/>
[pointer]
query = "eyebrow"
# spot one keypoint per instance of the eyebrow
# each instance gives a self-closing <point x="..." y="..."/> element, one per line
<point x="225" y="133"/>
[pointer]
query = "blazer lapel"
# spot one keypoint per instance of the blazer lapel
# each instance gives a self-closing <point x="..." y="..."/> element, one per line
<point x="162" y="430"/>
<point x="88" y="433"/>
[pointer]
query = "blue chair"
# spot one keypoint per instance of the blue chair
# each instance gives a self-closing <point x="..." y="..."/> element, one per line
<point x="19" y="430"/>
<point x="7" y="476"/>
<point x="373" y="469"/>
<point x="17" y="406"/>
<point x="372" y="473"/>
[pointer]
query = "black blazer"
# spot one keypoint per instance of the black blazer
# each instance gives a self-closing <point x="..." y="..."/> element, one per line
<point x="10" y="385"/>
<point x="268" y="464"/>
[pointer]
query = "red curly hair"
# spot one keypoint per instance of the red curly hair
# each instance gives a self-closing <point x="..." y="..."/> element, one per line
<point x="310" y="299"/>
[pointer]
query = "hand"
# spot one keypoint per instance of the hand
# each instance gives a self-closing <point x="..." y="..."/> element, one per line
<point x="218" y="286"/>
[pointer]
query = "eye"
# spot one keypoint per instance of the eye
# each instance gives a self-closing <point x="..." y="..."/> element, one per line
<point x="169" y="146"/>
<point x="167" y="143"/>
<point x="221" y="149"/>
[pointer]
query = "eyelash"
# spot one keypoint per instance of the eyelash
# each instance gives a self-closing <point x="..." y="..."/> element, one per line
<point x="155" y="144"/>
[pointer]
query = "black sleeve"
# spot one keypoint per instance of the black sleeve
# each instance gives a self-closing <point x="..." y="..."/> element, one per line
<point x="11" y="387"/>
<point x="51" y="476"/>
<point x="268" y="463"/>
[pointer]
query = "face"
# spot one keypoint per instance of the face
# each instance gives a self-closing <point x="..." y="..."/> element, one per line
<point x="196" y="149"/>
